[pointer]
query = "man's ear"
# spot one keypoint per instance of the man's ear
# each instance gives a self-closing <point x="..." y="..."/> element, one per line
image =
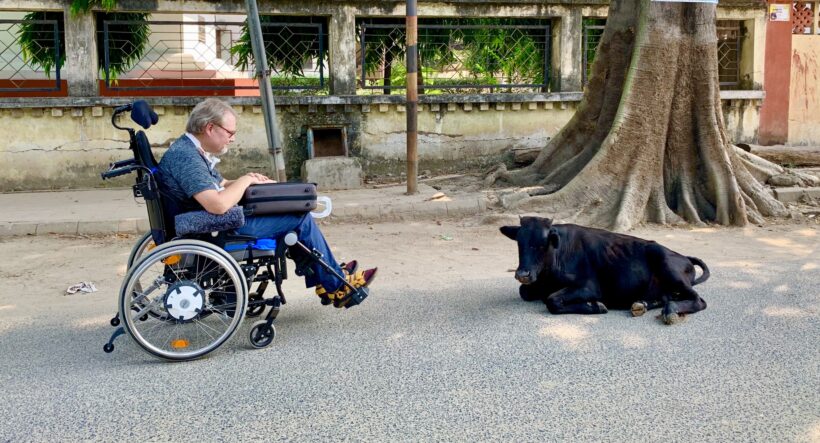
<point x="510" y="231"/>
<point x="552" y="238"/>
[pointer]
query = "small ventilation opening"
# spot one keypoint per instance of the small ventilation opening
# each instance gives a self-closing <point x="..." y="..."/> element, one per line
<point x="327" y="142"/>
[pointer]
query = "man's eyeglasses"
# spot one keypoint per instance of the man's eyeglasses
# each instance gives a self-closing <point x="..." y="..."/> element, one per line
<point x="230" y="133"/>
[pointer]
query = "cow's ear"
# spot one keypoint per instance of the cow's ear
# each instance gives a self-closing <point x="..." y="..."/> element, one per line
<point x="510" y="231"/>
<point x="552" y="238"/>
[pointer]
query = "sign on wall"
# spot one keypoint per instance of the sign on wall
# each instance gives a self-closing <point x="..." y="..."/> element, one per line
<point x="779" y="12"/>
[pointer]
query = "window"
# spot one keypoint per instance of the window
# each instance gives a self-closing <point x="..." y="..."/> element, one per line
<point x="729" y="35"/>
<point x="803" y="18"/>
<point x="593" y="30"/>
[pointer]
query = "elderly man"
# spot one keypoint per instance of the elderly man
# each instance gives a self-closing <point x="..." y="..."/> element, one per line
<point x="189" y="174"/>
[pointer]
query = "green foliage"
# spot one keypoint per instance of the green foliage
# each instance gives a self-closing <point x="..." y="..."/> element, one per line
<point x="592" y="36"/>
<point x="126" y="41"/>
<point x="83" y="6"/>
<point x="382" y="43"/>
<point x="287" y="48"/>
<point x="517" y="54"/>
<point x="37" y="41"/>
<point x="485" y="48"/>
<point x="290" y="85"/>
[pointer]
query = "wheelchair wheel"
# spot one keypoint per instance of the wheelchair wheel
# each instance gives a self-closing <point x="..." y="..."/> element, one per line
<point x="262" y="334"/>
<point x="143" y="245"/>
<point x="196" y="295"/>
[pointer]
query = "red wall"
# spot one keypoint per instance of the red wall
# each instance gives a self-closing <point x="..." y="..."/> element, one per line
<point x="774" y="114"/>
<point x="181" y="87"/>
<point x="23" y="88"/>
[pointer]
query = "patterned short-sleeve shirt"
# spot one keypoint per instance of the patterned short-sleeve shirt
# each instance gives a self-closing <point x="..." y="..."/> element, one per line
<point x="186" y="172"/>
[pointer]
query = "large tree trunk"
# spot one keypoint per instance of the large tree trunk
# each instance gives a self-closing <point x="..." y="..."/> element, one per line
<point x="647" y="142"/>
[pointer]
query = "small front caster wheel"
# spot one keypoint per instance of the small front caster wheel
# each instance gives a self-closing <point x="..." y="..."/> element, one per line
<point x="115" y="321"/>
<point x="262" y="334"/>
<point x="109" y="348"/>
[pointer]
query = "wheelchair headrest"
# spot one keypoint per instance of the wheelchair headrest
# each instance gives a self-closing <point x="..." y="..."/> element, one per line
<point x="143" y="115"/>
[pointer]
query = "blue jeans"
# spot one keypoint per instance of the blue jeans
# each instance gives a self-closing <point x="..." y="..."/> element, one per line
<point x="276" y="226"/>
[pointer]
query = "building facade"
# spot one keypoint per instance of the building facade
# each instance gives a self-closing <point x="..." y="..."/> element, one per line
<point x="342" y="95"/>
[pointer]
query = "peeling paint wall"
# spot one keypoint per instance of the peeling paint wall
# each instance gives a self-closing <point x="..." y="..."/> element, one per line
<point x="57" y="148"/>
<point x="804" y="94"/>
<point x="742" y="117"/>
<point x="463" y="130"/>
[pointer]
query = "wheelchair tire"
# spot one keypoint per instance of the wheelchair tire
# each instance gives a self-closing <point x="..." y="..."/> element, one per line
<point x="196" y="294"/>
<point x="144" y="244"/>
<point x="262" y="334"/>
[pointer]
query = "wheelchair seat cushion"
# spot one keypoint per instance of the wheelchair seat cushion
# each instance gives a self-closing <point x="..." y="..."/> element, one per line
<point x="203" y="222"/>
<point x="263" y="247"/>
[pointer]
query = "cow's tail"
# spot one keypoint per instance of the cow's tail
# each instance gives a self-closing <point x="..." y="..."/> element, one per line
<point x="703" y="277"/>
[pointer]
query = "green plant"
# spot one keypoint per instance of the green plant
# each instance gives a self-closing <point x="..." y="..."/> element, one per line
<point x="486" y="48"/>
<point x="37" y="40"/>
<point x="287" y="47"/>
<point x="83" y="6"/>
<point x="128" y="35"/>
<point x="127" y="41"/>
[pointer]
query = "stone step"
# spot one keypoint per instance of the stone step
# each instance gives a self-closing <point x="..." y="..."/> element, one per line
<point x="793" y="194"/>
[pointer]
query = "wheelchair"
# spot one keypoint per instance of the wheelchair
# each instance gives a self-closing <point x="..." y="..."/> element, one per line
<point x="184" y="295"/>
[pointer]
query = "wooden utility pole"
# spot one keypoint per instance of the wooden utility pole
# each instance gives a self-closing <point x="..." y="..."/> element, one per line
<point x="412" y="97"/>
<point x="265" y="91"/>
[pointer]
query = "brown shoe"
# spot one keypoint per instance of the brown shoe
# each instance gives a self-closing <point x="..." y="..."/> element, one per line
<point x="348" y="269"/>
<point x="359" y="279"/>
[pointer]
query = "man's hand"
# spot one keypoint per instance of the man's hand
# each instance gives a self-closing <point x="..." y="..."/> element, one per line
<point x="259" y="178"/>
<point x="218" y="202"/>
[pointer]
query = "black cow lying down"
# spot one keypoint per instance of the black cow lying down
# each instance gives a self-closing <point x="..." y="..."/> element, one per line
<point x="580" y="270"/>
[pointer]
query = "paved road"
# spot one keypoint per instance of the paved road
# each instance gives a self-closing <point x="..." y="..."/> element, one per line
<point x="443" y="350"/>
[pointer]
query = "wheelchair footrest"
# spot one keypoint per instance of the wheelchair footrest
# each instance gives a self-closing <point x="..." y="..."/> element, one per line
<point x="357" y="297"/>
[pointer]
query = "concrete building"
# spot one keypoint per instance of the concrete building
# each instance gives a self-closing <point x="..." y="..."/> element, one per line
<point x="59" y="142"/>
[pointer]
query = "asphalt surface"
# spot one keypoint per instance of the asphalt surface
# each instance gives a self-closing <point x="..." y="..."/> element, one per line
<point x="444" y="350"/>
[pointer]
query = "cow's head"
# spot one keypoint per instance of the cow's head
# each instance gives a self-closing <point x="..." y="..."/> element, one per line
<point x="537" y="242"/>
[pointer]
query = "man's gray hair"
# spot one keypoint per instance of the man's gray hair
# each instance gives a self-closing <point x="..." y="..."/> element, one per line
<point x="211" y="110"/>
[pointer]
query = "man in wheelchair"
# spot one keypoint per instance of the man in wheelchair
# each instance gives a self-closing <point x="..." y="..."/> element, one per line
<point x="190" y="178"/>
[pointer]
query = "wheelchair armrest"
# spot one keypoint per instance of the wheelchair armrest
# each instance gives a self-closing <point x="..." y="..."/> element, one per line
<point x="203" y="222"/>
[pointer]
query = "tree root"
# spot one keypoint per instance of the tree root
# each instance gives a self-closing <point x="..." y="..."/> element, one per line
<point x="647" y="142"/>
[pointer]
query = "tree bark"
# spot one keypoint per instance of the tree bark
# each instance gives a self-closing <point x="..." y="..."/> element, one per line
<point x="647" y="142"/>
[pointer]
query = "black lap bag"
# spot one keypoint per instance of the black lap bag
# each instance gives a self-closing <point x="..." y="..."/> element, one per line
<point x="279" y="198"/>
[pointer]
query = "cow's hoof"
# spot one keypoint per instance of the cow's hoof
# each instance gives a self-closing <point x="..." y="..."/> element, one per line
<point x="638" y="308"/>
<point x="670" y="314"/>
<point x="672" y="318"/>
<point x="602" y="308"/>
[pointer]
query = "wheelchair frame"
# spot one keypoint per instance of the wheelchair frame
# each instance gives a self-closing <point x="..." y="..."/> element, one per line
<point x="192" y="268"/>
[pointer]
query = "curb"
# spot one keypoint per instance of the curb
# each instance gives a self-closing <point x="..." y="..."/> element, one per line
<point x="429" y="210"/>
<point x="794" y="194"/>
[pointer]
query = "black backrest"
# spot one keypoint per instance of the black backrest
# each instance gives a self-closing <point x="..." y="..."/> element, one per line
<point x="161" y="212"/>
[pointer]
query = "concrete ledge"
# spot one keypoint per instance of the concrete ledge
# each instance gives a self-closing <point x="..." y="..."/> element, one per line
<point x="326" y="100"/>
<point x="425" y="210"/>
<point x="792" y="195"/>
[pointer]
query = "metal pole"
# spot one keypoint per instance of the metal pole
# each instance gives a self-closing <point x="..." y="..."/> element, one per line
<point x="412" y="97"/>
<point x="268" y="107"/>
